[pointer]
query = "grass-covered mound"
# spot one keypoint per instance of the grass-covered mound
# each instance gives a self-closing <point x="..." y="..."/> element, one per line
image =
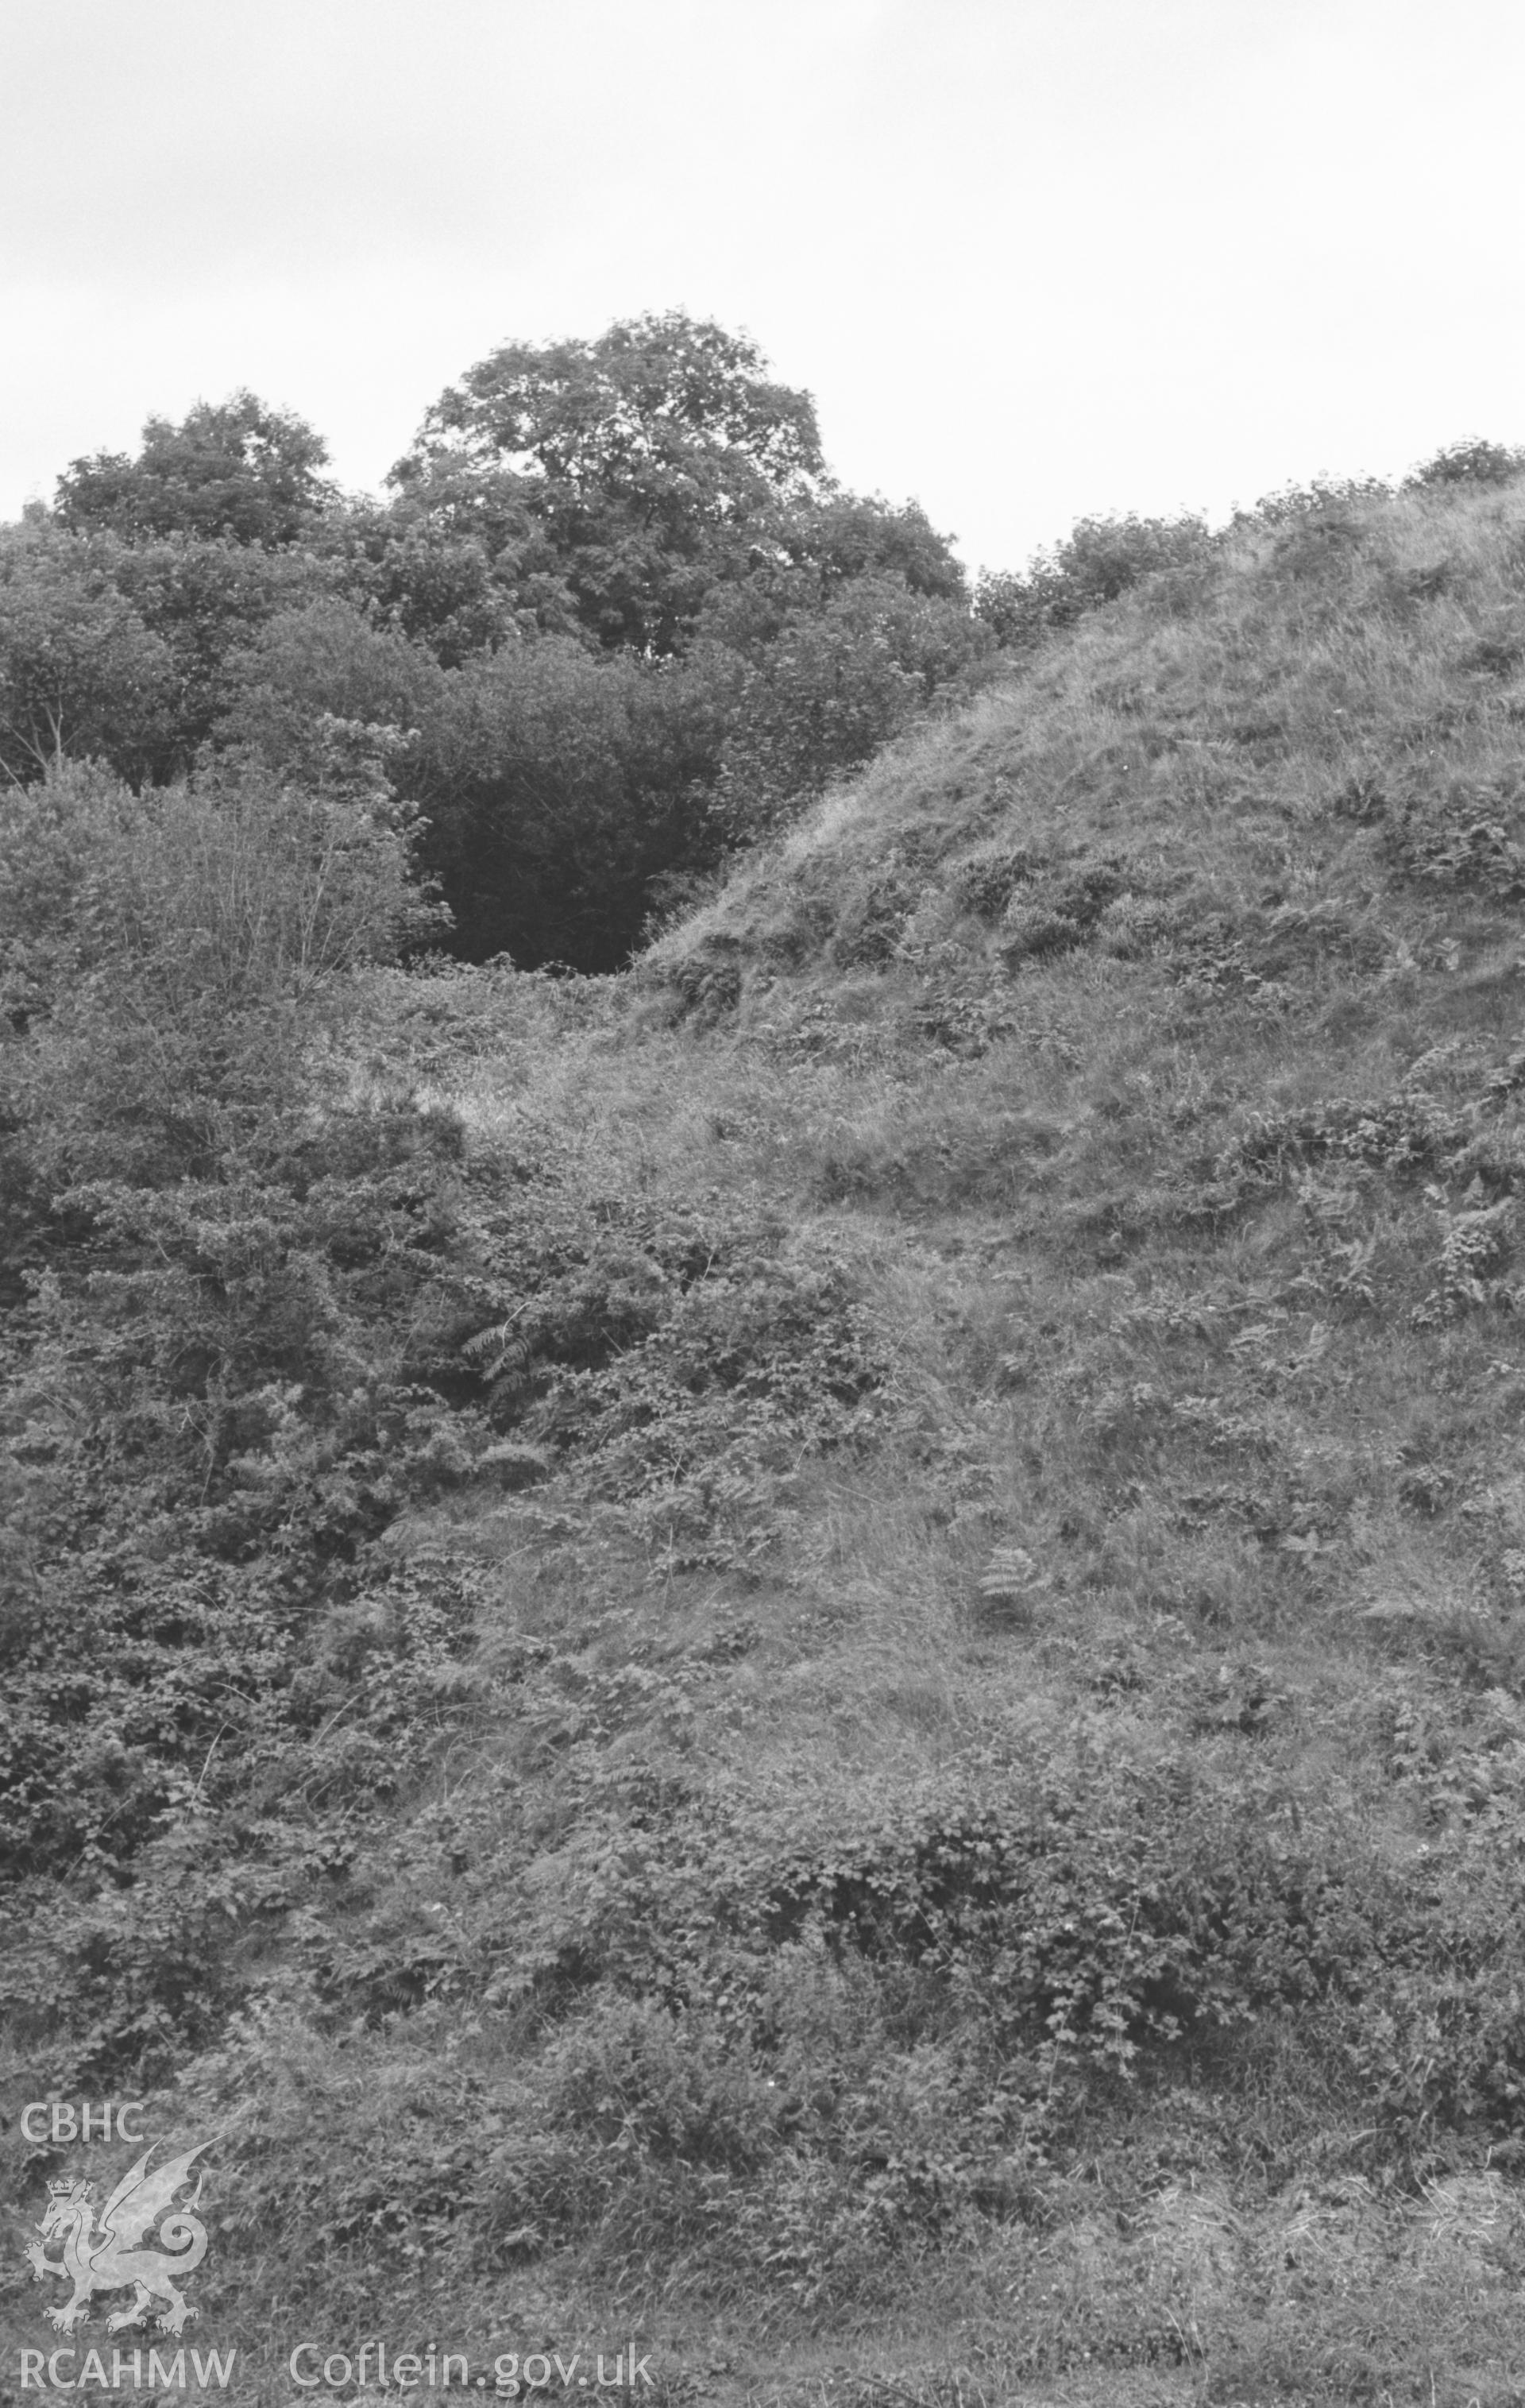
<point x="846" y="1678"/>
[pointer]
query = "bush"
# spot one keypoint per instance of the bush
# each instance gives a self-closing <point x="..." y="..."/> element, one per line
<point x="829" y="687"/>
<point x="1469" y="462"/>
<point x="159" y="951"/>
<point x="1099" y="559"/>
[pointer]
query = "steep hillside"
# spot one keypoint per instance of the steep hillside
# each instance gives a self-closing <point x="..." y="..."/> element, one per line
<point x="930" y="1804"/>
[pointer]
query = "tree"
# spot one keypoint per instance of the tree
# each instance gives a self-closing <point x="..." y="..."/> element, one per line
<point x="831" y="686"/>
<point x="207" y="599"/>
<point x="419" y="576"/>
<point x="658" y="496"/>
<point x="657" y="459"/>
<point x="236" y="469"/>
<point x="822" y="548"/>
<point x="81" y="673"/>
<point x="848" y="536"/>
<point x="556" y="781"/>
<point x="322" y="661"/>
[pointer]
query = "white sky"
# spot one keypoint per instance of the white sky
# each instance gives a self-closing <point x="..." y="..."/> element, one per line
<point x="1033" y="258"/>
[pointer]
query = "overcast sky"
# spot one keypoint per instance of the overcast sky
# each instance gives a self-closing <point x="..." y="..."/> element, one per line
<point x="1033" y="258"/>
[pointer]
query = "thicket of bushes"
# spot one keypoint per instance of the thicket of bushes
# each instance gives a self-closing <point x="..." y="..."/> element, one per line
<point x="615" y="603"/>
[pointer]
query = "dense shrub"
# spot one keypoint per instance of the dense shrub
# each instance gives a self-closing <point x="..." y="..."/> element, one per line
<point x="81" y="670"/>
<point x="1099" y="559"/>
<point x="831" y="687"/>
<point x="205" y="1248"/>
<point x="1470" y="461"/>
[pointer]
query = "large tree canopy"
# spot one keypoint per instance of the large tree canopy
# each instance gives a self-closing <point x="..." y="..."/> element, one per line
<point x="660" y="460"/>
<point x="236" y="469"/>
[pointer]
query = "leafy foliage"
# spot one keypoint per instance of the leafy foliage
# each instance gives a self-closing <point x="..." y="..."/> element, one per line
<point x="1098" y="560"/>
<point x="829" y="689"/>
<point x="201" y="1366"/>
<point x="1470" y="461"/>
<point x="81" y="672"/>
<point x="236" y="469"/>
<point x="615" y="596"/>
<point x="656" y="459"/>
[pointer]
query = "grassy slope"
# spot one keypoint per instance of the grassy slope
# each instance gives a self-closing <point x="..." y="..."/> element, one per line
<point x="1133" y="1070"/>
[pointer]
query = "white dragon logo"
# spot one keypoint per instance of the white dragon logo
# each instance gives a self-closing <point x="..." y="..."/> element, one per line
<point x="106" y="2257"/>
